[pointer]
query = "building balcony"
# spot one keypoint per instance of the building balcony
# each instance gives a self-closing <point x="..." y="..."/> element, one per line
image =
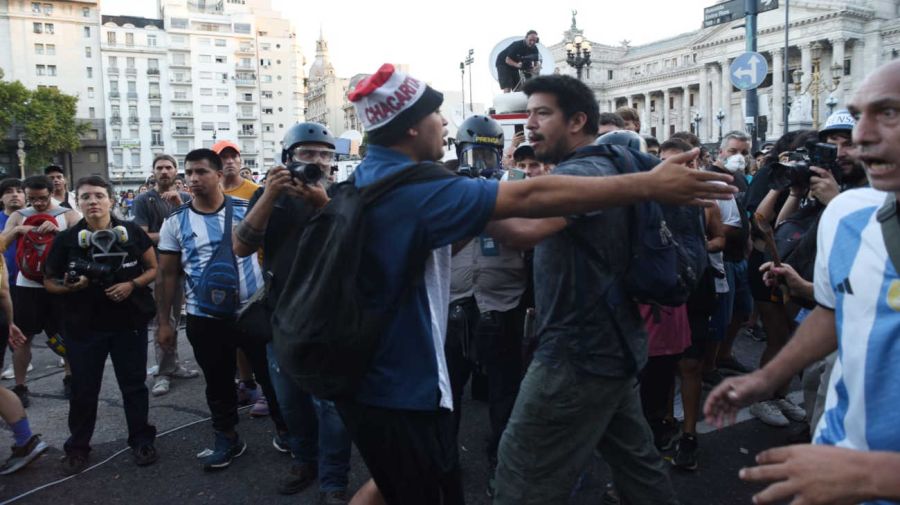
<point x="247" y="83"/>
<point x="152" y="71"/>
<point x="245" y="68"/>
<point x="131" y="71"/>
<point x="154" y="143"/>
<point x="123" y="143"/>
<point x="247" y="133"/>
<point x="112" y="70"/>
<point x="247" y="116"/>
<point x="182" y="113"/>
<point x="182" y="132"/>
<point x="114" y="95"/>
<point x="246" y="49"/>
<point x="154" y="96"/>
<point x="180" y="64"/>
<point x="132" y="95"/>
<point x="156" y="119"/>
<point x="115" y="119"/>
<point x="133" y="121"/>
<point x="186" y="81"/>
<point x="182" y="98"/>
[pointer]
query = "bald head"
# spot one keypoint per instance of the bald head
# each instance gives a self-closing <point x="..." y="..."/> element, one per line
<point x="876" y="107"/>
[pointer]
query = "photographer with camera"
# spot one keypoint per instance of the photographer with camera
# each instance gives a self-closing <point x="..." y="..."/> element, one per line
<point x="101" y="267"/>
<point x="522" y="55"/>
<point x="317" y="439"/>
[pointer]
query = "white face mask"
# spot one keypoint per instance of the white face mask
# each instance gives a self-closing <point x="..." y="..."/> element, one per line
<point x="735" y="163"/>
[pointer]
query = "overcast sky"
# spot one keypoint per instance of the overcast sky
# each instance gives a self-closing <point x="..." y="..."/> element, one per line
<point x="433" y="37"/>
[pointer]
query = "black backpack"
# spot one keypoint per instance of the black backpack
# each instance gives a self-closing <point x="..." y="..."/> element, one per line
<point x="325" y="328"/>
<point x="668" y="242"/>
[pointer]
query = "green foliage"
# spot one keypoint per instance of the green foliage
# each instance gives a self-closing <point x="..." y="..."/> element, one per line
<point x="45" y="116"/>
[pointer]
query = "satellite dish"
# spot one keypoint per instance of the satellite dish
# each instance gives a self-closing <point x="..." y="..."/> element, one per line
<point x="548" y="62"/>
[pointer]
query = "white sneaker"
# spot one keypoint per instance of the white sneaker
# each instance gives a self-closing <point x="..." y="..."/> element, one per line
<point x="9" y="374"/>
<point x="769" y="413"/>
<point x="160" y="386"/>
<point x="791" y="411"/>
<point x="61" y="363"/>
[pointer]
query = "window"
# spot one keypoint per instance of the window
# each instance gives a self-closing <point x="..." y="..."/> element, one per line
<point x="51" y="70"/>
<point x="156" y="138"/>
<point x="207" y="109"/>
<point x="847" y="67"/>
<point x="51" y="49"/>
<point x="49" y="28"/>
<point x="245" y="62"/>
<point x="113" y="61"/>
<point x="87" y="32"/>
<point x="221" y="59"/>
<point x="223" y="126"/>
<point x="222" y="109"/>
<point x="221" y="92"/>
<point x="206" y="76"/>
<point x="205" y="58"/>
<point x="87" y="51"/>
<point x="179" y="59"/>
<point x="35" y="8"/>
<point x="267" y="110"/>
<point x="248" y="97"/>
<point x="114" y="85"/>
<point x="38" y="28"/>
<point x="220" y="42"/>
<point x="242" y="28"/>
<point x="111" y="38"/>
<point x="155" y="111"/>
<point x="132" y="110"/>
<point x="132" y="87"/>
<point x="266" y="94"/>
<point x="268" y="127"/>
<point x="265" y="46"/>
<point x="178" y="23"/>
<point x="40" y="69"/>
<point x="117" y="159"/>
<point x="90" y="72"/>
<point x="129" y="39"/>
<point x="609" y="75"/>
<point x="92" y="113"/>
<point x="205" y="91"/>
<point x="129" y="62"/>
<point x="115" y="110"/>
<point x="153" y="63"/>
<point x="151" y="40"/>
<point x="691" y="100"/>
<point x="265" y="62"/>
<point x="177" y="40"/>
<point x="94" y="157"/>
<point x="154" y="88"/>
<point x="182" y="146"/>
<point x="204" y="41"/>
<point x="208" y="126"/>
<point x="48" y="9"/>
<point x="223" y="76"/>
<point x="39" y="49"/>
<point x="652" y="105"/>
<point x="135" y="158"/>
<point x="246" y="110"/>
<point x="265" y="78"/>
<point x="86" y="12"/>
<point x="90" y="92"/>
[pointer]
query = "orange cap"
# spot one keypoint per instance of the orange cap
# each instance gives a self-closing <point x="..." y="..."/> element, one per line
<point x="221" y="145"/>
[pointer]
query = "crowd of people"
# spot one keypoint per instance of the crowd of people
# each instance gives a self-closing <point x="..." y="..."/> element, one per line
<point x="506" y="268"/>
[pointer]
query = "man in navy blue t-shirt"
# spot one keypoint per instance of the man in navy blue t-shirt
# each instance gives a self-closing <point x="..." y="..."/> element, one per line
<point x="401" y="418"/>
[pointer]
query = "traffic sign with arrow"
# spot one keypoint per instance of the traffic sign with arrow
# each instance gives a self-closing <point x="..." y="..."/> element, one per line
<point x="748" y="70"/>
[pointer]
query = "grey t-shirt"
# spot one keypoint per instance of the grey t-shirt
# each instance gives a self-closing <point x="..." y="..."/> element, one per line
<point x="575" y="323"/>
<point x="150" y="210"/>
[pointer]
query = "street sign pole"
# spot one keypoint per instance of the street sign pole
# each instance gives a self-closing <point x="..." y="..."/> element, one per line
<point x="750" y="95"/>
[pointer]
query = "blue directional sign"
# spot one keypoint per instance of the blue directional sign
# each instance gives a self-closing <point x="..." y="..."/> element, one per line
<point x="748" y="70"/>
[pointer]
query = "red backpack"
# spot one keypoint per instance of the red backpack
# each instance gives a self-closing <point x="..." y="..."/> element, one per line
<point x="33" y="248"/>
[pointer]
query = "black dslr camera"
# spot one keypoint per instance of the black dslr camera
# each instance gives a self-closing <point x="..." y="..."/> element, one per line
<point x="308" y="173"/>
<point x="96" y="272"/>
<point x="796" y="172"/>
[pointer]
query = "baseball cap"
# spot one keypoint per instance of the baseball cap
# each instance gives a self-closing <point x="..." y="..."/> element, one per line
<point x="840" y="121"/>
<point x="221" y="145"/>
<point x="523" y="151"/>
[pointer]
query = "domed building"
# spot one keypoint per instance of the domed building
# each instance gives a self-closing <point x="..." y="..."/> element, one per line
<point x="325" y="91"/>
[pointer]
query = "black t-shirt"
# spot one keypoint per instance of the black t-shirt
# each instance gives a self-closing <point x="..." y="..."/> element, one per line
<point x="90" y="308"/>
<point x="150" y="210"/>
<point x="517" y="51"/>
<point x="283" y="233"/>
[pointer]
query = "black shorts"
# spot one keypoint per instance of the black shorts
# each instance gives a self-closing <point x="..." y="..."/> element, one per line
<point x="508" y="76"/>
<point x="700" y="334"/>
<point x="411" y="455"/>
<point x="36" y="310"/>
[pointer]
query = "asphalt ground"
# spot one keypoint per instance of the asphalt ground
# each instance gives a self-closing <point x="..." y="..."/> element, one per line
<point x="178" y="478"/>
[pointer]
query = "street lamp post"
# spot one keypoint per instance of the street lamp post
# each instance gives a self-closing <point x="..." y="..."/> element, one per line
<point x="697" y="118"/>
<point x="20" y="152"/>
<point x="831" y="103"/>
<point x="469" y="60"/>
<point x="578" y="54"/>
<point x="720" y="117"/>
<point x="817" y="82"/>
<point x="462" y="79"/>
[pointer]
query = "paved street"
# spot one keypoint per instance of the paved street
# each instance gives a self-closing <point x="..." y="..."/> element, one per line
<point x="178" y="478"/>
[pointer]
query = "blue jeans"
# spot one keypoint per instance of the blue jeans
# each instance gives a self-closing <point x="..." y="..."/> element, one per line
<point x="316" y="431"/>
<point x="737" y="300"/>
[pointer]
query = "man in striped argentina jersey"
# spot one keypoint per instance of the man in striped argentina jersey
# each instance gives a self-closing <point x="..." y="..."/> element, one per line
<point x="855" y="456"/>
<point x="188" y="241"/>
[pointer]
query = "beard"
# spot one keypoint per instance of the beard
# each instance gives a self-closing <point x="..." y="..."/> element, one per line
<point x="855" y="176"/>
<point x="550" y="153"/>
